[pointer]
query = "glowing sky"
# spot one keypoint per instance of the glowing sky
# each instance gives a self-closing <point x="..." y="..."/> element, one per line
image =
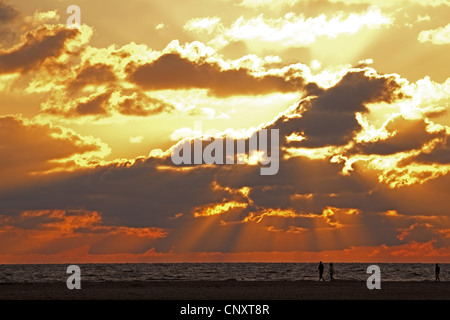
<point x="359" y="91"/>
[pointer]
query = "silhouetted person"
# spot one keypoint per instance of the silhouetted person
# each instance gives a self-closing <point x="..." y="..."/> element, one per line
<point x="331" y="272"/>
<point x="321" y="271"/>
<point x="437" y="270"/>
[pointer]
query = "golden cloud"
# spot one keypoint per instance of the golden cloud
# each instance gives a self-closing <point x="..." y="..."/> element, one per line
<point x="32" y="148"/>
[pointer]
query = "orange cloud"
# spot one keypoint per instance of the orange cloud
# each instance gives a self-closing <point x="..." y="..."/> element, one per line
<point x="413" y="252"/>
<point x="29" y="148"/>
<point x="58" y="230"/>
<point x="219" y="208"/>
<point x="284" y="213"/>
<point x="330" y="217"/>
<point x="291" y="229"/>
<point x="419" y="227"/>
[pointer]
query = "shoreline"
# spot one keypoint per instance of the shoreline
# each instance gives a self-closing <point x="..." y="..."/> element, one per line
<point x="228" y="290"/>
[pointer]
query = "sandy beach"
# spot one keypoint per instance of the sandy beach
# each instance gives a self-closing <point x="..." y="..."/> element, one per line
<point x="228" y="290"/>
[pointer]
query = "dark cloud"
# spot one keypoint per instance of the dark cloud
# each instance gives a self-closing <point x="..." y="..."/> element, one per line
<point x="358" y="88"/>
<point x="408" y="135"/>
<point x="38" y="46"/>
<point x="132" y="102"/>
<point x="162" y="193"/>
<point x="329" y="118"/>
<point x="440" y="154"/>
<point x="96" y="74"/>
<point x="7" y="13"/>
<point x="79" y="227"/>
<point x="7" y="37"/>
<point x="171" y="71"/>
<point x="151" y="192"/>
<point x="94" y="106"/>
<point x="127" y="101"/>
<point x="436" y="113"/>
<point x="142" y="195"/>
<point x="139" y="104"/>
<point x="296" y="176"/>
<point x="100" y="106"/>
<point x="27" y="148"/>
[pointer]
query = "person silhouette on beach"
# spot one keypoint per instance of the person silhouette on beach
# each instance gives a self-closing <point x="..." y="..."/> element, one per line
<point x="331" y="271"/>
<point x="320" y="268"/>
<point x="437" y="270"/>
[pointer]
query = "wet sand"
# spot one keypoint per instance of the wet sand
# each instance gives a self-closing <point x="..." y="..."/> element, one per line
<point x="228" y="290"/>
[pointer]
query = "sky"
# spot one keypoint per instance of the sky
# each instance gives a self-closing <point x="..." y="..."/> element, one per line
<point x="91" y="115"/>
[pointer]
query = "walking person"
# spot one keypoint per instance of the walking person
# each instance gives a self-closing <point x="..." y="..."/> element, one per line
<point x="331" y="271"/>
<point x="437" y="270"/>
<point x="320" y="268"/>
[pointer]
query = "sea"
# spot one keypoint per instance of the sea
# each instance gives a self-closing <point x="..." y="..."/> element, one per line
<point x="43" y="273"/>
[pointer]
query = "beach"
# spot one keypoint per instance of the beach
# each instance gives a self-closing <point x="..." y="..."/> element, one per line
<point x="228" y="290"/>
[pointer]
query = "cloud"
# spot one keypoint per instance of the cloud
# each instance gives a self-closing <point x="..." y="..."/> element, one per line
<point x="423" y="18"/>
<point x="381" y="3"/>
<point x="439" y="154"/>
<point x="207" y="24"/>
<point x="330" y="218"/>
<point x="309" y="198"/>
<point x="37" y="47"/>
<point x="436" y="36"/>
<point x="115" y="100"/>
<point x="404" y="135"/>
<point x="291" y="29"/>
<point x="420" y="228"/>
<point x="50" y="231"/>
<point x="140" y="104"/>
<point x="94" y="105"/>
<point x="388" y="3"/>
<point x="160" y="26"/>
<point x="136" y="139"/>
<point x="7" y="13"/>
<point x="328" y="119"/>
<point x="85" y="84"/>
<point x="96" y="74"/>
<point x="40" y="17"/>
<point x="215" y="209"/>
<point x="171" y="71"/>
<point x="29" y="148"/>
<point x="95" y="89"/>
<point x="357" y="145"/>
<point x="233" y="208"/>
<point x="265" y="3"/>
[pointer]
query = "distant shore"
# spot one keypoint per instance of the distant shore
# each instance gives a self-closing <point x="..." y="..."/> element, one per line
<point x="228" y="290"/>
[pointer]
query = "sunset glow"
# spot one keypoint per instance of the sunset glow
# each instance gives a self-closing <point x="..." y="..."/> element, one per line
<point x="358" y="90"/>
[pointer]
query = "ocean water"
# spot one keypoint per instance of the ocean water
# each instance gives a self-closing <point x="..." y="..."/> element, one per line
<point x="38" y="273"/>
